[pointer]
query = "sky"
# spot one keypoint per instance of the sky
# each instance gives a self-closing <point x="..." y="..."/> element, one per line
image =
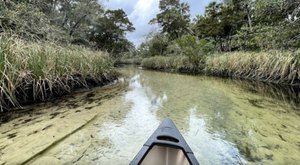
<point x="140" y="12"/>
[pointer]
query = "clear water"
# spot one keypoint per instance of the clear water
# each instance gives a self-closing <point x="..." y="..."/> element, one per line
<point x="224" y="122"/>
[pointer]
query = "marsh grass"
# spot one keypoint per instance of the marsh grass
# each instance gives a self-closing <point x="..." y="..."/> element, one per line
<point x="273" y="66"/>
<point x="31" y="72"/>
<point x="133" y="61"/>
<point x="168" y="63"/>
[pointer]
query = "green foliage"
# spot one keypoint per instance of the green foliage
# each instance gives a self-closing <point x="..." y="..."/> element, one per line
<point x="251" y="25"/>
<point x="174" y="18"/>
<point x="262" y="37"/>
<point x="174" y="63"/>
<point x="134" y="61"/>
<point x="28" y="22"/>
<point x="156" y="45"/>
<point x="196" y="50"/>
<point x="219" y="23"/>
<point x="109" y="32"/>
<point x="80" y="22"/>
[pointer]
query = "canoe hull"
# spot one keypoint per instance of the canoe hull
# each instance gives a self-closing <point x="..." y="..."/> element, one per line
<point x="166" y="146"/>
<point x="162" y="155"/>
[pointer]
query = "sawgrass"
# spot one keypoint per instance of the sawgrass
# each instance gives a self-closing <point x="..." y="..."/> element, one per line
<point x="168" y="63"/>
<point x="31" y="72"/>
<point x="273" y="66"/>
<point x="133" y="61"/>
<point x="280" y="67"/>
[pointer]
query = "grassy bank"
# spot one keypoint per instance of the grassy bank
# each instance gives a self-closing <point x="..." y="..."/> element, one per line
<point x="274" y="66"/>
<point x="127" y="61"/>
<point x="277" y="67"/>
<point x="31" y="72"/>
<point x="171" y="64"/>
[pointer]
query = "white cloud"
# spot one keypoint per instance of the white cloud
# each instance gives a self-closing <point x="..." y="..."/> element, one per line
<point x="139" y="12"/>
<point x="126" y="5"/>
<point x="143" y="12"/>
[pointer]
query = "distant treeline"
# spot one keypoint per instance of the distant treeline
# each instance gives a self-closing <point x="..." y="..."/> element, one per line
<point x="248" y="25"/>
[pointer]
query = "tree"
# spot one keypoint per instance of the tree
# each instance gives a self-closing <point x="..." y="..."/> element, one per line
<point x="275" y="25"/>
<point x="220" y="23"/>
<point x="174" y="18"/>
<point x="82" y="22"/>
<point x="196" y="50"/>
<point x="109" y="31"/>
<point x="62" y="20"/>
<point x="27" y="21"/>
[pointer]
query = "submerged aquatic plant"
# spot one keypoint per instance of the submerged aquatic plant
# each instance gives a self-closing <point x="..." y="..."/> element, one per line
<point x="39" y="71"/>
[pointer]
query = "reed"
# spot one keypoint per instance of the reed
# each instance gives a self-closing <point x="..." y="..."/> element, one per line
<point x="273" y="66"/>
<point x="168" y="63"/>
<point x="129" y="61"/>
<point x="31" y="72"/>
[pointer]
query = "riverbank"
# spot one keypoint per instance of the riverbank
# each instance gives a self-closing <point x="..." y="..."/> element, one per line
<point x="274" y="66"/>
<point x="35" y="72"/>
<point x="128" y="61"/>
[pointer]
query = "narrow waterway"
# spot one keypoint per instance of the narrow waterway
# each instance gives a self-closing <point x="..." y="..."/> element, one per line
<point x="224" y="122"/>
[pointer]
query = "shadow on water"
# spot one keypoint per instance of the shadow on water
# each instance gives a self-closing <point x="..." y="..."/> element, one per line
<point x="287" y="94"/>
<point x="83" y="97"/>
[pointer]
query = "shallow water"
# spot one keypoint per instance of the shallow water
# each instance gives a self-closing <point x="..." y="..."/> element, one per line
<point x="224" y="122"/>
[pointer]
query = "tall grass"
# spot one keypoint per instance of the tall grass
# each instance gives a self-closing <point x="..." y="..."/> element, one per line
<point x="134" y="61"/>
<point x="39" y="71"/>
<point x="274" y="66"/>
<point x="168" y="63"/>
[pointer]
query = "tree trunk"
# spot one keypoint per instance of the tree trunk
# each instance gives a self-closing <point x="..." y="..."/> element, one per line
<point x="221" y="44"/>
<point x="66" y="18"/>
<point x="249" y="21"/>
<point x="76" y="25"/>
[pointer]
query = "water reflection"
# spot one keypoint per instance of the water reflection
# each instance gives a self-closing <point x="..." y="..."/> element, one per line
<point x="210" y="148"/>
<point x="142" y="119"/>
<point x="131" y="132"/>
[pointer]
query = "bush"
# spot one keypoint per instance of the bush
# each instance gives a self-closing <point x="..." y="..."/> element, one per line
<point x="196" y="50"/>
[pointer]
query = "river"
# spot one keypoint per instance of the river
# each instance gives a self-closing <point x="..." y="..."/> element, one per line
<point x="224" y="121"/>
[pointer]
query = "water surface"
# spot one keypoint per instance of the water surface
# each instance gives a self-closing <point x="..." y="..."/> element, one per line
<point x="224" y="122"/>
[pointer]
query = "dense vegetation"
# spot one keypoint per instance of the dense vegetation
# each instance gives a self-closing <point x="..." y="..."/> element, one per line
<point x="33" y="72"/>
<point x="80" y="22"/>
<point x="52" y="47"/>
<point x="248" y="39"/>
